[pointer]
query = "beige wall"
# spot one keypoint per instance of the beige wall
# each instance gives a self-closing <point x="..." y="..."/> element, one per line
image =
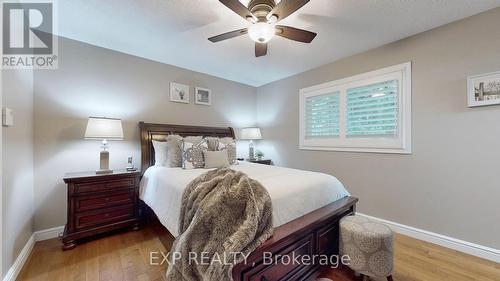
<point x="93" y="81"/>
<point x="450" y="184"/>
<point x="17" y="165"/>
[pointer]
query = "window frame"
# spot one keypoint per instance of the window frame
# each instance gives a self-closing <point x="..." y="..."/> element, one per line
<point x="401" y="144"/>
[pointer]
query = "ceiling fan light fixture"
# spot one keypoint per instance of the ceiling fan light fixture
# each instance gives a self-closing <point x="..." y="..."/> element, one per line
<point x="263" y="17"/>
<point x="261" y="32"/>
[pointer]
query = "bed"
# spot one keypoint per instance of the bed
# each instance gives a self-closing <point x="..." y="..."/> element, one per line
<point x="306" y="205"/>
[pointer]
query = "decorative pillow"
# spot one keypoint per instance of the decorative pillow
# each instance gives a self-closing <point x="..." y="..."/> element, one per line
<point x="161" y="153"/>
<point x="216" y="159"/>
<point x="212" y="143"/>
<point x="174" y="156"/>
<point x="192" y="152"/>
<point x="229" y="145"/>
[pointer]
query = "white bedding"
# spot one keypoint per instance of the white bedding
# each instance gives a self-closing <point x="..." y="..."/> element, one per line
<point x="294" y="193"/>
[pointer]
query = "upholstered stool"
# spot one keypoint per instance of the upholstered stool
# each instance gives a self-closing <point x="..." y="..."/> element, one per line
<point x="369" y="245"/>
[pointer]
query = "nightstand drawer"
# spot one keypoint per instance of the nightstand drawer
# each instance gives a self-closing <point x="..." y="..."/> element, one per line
<point x="105" y="185"/>
<point x="101" y="217"/>
<point x="92" y="202"/>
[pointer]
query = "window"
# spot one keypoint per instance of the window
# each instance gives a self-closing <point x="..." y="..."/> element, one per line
<point x="370" y="112"/>
<point x="322" y="115"/>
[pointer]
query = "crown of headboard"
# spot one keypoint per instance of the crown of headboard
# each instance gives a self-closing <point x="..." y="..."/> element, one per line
<point x="159" y="132"/>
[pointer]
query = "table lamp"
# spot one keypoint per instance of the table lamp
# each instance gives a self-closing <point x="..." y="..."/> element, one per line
<point x="251" y="134"/>
<point x="102" y="128"/>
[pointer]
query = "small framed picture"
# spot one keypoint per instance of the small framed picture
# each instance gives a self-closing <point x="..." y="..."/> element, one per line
<point x="179" y="92"/>
<point x="202" y="96"/>
<point x="483" y="89"/>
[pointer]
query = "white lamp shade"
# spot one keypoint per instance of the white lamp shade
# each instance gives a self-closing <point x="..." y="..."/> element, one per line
<point x="251" y="134"/>
<point x="104" y="128"/>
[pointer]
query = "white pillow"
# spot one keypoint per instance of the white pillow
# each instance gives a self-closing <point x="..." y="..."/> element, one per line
<point x="161" y="153"/>
<point x="216" y="159"/>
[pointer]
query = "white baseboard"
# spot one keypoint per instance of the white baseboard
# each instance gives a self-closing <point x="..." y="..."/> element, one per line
<point x="40" y="235"/>
<point x="50" y="233"/>
<point x="21" y="260"/>
<point x="442" y="240"/>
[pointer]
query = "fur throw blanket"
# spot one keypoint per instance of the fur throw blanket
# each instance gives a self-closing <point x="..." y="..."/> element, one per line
<point x="223" y="212"/>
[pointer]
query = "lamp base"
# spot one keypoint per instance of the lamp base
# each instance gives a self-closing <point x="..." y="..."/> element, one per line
<point x="104" y="163"/>
<point x="250" y="151"/>
<point x="100" y="172"/>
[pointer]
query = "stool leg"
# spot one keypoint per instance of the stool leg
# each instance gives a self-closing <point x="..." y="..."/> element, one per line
<point x="389" y="278"/>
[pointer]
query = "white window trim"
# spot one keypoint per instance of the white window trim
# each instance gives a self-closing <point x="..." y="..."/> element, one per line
<point x="399" y="145"/>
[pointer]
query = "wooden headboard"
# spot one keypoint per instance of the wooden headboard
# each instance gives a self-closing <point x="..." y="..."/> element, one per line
<point x="159" y="132"/>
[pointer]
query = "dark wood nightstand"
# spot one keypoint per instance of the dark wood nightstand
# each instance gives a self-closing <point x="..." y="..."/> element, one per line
<point x="263" y="161"/>
<point x="100" y="203"/>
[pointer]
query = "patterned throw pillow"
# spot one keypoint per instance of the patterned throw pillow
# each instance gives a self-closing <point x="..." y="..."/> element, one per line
<point x="174" y="149"/>
<point x="192" y="152"/>
<point x="228" y="144"/>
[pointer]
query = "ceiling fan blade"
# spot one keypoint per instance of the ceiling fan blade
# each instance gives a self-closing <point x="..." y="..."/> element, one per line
<point x="260" y="49"/>
<point x="228" y="35"/>
<point x="286" y="8"/>
<point x="237" y="7"/>
<point x="295" y="34"/>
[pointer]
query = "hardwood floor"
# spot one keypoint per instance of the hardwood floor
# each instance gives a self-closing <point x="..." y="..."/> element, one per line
<point x="416" y="260"/>
<point x="125" y="256"/>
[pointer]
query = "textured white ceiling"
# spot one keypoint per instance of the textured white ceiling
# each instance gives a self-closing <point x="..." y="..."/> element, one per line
<point x="176" y="31"/>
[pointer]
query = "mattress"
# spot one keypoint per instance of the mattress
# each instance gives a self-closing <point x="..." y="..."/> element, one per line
<point x="294" y="193"/>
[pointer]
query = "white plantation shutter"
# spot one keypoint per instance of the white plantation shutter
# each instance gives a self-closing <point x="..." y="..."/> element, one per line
<point x="372" y="110"/>
<point x="369" y="112"/>
<point x="322" y="115"/>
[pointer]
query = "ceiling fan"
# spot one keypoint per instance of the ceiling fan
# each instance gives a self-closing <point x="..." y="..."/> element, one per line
<point x="263" y="16"/>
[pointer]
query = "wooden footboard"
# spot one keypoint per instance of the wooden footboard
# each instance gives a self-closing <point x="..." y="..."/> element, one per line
<point x="314" y="234"/>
